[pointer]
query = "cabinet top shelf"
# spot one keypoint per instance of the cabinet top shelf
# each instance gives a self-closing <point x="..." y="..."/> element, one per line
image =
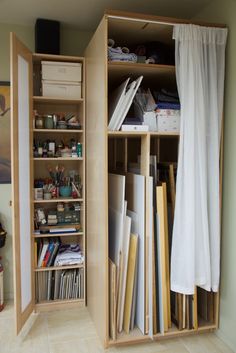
<point x="41" y="99"/>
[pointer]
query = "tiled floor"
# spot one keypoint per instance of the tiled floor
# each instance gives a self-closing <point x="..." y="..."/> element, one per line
<point x="72" y="331"/>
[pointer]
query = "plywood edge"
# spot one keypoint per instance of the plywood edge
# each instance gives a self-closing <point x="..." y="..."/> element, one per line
<point x="97" y="181"/>
<point x="59" y="305"/>
<point x="158" y="19"/>
<point x="177" y="333"/>
<point x="61" y="58"/>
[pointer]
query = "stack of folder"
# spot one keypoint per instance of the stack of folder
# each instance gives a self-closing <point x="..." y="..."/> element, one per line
<point x="60" y="285"/>
<point x="141" y="215"/>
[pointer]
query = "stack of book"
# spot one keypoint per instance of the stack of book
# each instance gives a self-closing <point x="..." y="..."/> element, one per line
<point x="46" y="251"/>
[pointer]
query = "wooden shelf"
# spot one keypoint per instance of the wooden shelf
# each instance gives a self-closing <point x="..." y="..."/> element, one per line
<point x="60" y="226"/>
<point x="52" y="305"/>
<point x="133" y="336"/>
<point x="53" y="268"/>
<point x="139" y="67"/>
<point x="70" y="131"/>
<point x="51" y="235"/>
<point x="141" y="133"/>
<point x="59" y="159"/>
<point x="61" y="301"/>
<point x="136" y="335"/>
<point x="41" y="99"/>
<point x="127" y="133"/>
<point x="61" y="199"/>
<point x="53" y="57"/>
<point x="122" y="69"/>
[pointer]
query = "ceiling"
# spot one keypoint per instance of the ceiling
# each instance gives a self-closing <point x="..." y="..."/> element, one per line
<point x="86" y="14"/>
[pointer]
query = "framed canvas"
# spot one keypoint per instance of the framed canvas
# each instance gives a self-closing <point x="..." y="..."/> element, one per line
<point x="5" y="127"/>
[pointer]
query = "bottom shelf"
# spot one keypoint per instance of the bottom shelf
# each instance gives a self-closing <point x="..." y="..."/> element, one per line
<point x="52" y="305"/>
<point x="60" y="286"/>
<point x="136" y="336"/>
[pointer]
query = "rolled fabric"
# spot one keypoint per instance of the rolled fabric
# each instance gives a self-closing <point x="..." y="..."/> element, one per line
<point x="125" y="50"/>
<point x="111" y="43"/>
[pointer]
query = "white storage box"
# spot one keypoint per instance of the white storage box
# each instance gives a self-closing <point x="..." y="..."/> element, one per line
<point x="66" y="90"/>
<point x="61" y="71"/>
<point x="168" y="123"/>
<point x="149" y="118"/>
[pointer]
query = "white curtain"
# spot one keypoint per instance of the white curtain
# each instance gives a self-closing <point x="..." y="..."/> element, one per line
<point x="200" y="64"/>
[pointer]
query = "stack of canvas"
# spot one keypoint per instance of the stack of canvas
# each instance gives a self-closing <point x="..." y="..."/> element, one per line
<point x="120" y="102"/>
<point x="126" y="252"/>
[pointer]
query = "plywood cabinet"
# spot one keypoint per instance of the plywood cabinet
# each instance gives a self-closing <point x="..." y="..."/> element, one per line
<point x="35" y="282"/>
<point x="104" y="152"/>
<point x="119" y="152"/>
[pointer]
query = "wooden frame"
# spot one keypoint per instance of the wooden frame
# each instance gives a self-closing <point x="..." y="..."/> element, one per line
<point x="18" y="49"/>
<point x="46" y="105"/>
<point x="99" y="72"/>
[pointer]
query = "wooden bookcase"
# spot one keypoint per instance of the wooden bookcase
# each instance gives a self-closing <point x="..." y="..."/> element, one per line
<point x="103" y="151"/>
<point x="108" y="149"/>
<point x="25" y="98"/>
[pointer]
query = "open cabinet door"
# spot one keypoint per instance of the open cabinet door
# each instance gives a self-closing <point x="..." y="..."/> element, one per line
<point x="22" y="179"/>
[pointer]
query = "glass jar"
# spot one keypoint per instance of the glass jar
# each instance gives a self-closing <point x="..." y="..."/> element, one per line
<point x="48" y="122"/>
<point x="39" y="122"/>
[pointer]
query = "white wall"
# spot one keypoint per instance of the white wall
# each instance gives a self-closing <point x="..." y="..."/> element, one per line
<point x="73" y="42"/>
<point x="225" y="12"/>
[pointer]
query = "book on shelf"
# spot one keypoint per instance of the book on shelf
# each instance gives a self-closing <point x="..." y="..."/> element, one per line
<point x="42" y="251"/>
<point x="47" y="251"/>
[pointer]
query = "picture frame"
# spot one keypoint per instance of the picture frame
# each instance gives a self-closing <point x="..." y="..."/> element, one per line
<point x="5" y="131"/>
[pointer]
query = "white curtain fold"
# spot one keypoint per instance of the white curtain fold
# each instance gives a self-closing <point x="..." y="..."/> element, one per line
<point x="200" y="65"/>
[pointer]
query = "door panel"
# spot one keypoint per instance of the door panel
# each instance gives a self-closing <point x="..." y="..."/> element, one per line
<point x="22" y="179"/>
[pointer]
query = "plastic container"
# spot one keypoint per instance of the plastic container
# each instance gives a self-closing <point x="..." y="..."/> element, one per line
<point x="65" y="191"/>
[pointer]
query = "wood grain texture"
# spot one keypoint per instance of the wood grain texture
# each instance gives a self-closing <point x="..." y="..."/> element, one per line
<point x="97" y="181"/>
